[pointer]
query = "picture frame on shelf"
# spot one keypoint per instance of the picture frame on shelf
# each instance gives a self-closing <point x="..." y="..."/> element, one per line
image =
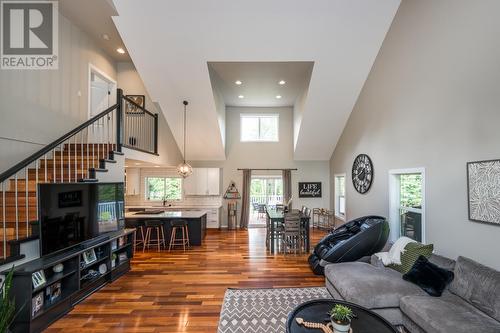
<point x="89" y="257"/>
<point x="37" y="303"/>
<point x="122" y="257"/>
<point x="114" y="245"/>
<point x="53" y="292"/>
<point x="121" y="241"/>
<point x="38" y="278"/>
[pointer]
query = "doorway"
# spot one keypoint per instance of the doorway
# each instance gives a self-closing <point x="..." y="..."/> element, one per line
<point x="102" y="95"/>
<point x="264" y="191"/>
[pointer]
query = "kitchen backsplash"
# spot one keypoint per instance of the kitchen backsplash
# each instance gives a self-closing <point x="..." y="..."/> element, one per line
<point x="137" y="200"/>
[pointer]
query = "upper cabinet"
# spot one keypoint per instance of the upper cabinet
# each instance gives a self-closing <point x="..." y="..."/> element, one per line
<point x="133" y="181"/>
<point x="203" y="181"/>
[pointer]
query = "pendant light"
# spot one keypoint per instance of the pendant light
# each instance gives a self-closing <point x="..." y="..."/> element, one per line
<point x="184" y="169"/>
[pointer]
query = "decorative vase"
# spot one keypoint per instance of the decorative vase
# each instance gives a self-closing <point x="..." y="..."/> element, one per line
<point x="341" y="327"/>
<point x="58" y="268"/>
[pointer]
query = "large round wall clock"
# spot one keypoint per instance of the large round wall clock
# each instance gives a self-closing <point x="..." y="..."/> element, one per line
<point x="362" y="173"/>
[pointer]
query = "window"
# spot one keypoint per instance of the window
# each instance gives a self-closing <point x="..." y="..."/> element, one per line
<point x="340" y="196"/>
<point x="163" y="188"/>
<point x="407" y="203"/>
<point x="262" y="127"/>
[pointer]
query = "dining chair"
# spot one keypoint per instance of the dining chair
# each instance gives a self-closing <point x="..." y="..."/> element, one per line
<point x="290" y="235"/>
<point x="315" y="217"/>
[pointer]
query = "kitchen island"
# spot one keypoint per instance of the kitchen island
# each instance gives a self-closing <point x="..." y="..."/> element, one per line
<point x="196" y="220"/>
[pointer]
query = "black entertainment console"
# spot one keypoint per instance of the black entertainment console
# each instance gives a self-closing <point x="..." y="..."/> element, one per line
<point x="44" y="290"/>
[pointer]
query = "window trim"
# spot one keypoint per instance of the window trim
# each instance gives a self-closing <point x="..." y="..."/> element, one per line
<point x="259" y="116"/>
<point x="394" y="201"/>
<point x="146" y="188"/>
<point x="335" y="204"/>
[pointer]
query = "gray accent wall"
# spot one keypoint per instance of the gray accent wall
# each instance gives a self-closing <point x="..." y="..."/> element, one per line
<point x="432" y="100"/>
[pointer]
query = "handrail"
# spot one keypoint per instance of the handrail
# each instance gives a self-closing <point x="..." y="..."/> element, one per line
<point x="139" y="106"/>
<point x="27" y="161"/>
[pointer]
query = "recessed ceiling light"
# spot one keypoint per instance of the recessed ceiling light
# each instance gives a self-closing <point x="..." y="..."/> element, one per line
<point x="157" y="166"/>
<point x="105" y="36"/>
<point x="137" y="163"/>
<point x="282" y="82"/>
<point x="241" y="96"/>
<point x="238" y="82"/>
<point x="120" y="50"/>
<point x="278" y="96"/>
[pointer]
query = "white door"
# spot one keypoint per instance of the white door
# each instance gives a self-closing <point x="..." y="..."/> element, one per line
<point x="100" y="94"/>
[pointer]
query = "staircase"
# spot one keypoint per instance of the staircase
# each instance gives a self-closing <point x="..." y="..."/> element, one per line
<point x="78" y="156"/>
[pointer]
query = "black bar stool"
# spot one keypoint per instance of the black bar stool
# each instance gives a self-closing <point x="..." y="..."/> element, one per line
<point x="182" y="226"/>
<point x="157" y="226"/>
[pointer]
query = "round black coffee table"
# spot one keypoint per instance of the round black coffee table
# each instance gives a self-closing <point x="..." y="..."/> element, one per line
<point x="366" y="321"/>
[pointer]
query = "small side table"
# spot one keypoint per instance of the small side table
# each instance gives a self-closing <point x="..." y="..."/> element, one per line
<point x="366" y="321"/>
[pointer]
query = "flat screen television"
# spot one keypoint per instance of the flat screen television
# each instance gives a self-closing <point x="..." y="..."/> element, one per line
<point x="72" y="213"/>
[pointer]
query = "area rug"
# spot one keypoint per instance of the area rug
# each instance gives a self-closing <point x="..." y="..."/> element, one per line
<point x="263" y="310"/>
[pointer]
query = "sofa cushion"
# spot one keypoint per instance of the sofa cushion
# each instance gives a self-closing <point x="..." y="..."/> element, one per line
<point x="369" y="286"/>
<point x="443" y="262"/>
<point x="431" y="278"/>
<point x="448" y="313"/>
<point x="477" y="284"/>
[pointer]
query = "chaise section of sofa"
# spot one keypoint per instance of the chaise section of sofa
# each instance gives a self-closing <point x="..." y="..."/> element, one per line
<point x="470" y="304"/>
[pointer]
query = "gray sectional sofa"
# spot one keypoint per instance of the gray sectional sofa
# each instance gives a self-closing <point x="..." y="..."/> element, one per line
<point x="471" y="303"/>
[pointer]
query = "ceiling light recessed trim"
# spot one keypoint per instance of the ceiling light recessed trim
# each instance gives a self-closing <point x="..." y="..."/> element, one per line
<point x="120" y="50"/>
<point x="278" y="96"/>
<point x="281" y="82"/>
<point x="238" y="82"/>
<point x="241" y="96"/>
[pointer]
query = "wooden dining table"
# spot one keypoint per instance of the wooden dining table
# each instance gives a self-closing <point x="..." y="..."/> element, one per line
<point x="277" y="217"/>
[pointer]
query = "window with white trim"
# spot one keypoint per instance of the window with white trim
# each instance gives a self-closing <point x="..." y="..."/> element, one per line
<point x="259" y="127"/>
<point x="339" y="183"/>
<point x="163" y="188"/>
<point x="407" y="206"/>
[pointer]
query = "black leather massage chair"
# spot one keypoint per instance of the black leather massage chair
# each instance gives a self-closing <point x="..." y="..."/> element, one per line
<point x="353" y="240"/>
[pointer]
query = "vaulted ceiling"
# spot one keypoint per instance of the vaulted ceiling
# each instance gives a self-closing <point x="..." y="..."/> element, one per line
<point x="171" y="43"/>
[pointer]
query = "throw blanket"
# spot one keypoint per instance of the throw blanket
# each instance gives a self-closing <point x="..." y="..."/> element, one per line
<point x="394" y="254"/>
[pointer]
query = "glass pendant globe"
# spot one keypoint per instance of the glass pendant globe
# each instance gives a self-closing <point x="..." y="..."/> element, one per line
<point x="184" y="169"/>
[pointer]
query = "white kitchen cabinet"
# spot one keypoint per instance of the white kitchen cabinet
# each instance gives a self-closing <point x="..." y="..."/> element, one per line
<point x="203" y="181"/>
<point x="133" y="181"/>
<point x="213" y="181"/>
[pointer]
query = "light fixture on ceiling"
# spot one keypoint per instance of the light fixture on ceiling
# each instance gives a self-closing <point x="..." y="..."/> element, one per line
<point x="282" y="82"/>
<point x="120" y="50"/>
<point x="137" y="163"/>
<point x="238" y="82"/>
<point x="278" y="96"/>
<point x="184" y="169"/>
<point x="241" y="96"/>
<point x="105" y="36"/>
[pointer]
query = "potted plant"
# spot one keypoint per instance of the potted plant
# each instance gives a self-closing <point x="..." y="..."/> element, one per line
<point x="7" y="305"/>
<point x="341" y="317"/>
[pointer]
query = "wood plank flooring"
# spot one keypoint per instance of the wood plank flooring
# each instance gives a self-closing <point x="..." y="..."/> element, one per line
<point x="183" y="292"/>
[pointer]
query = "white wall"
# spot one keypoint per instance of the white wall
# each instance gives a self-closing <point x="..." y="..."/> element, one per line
<point x="431" y="100"/>
<point x="268" y="155"/>
<point x="38" y="106"/>
<point x="129" y="80"/>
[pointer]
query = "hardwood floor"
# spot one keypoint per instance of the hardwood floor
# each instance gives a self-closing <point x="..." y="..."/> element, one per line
<point x="183" y="292"/>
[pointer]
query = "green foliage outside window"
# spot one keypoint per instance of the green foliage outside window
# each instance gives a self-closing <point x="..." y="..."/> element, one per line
<point x="160" y="188"/>
<point x="411" y="190"/>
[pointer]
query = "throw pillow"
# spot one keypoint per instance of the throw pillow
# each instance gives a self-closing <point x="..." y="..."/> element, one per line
<point x="410" y="255"/>
<point x="431" y="278"/>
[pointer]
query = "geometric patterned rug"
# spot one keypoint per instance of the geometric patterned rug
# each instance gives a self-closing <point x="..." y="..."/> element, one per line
<point x="263" y="310"/>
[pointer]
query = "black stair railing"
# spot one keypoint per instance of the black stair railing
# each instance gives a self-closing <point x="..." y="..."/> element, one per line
<point x="71" y="158"/>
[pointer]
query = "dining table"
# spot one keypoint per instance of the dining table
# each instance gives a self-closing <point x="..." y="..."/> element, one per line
<point x="275" y="218"/>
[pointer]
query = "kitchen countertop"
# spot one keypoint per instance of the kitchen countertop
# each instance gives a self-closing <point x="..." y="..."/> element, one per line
<point x="192" y="214"/>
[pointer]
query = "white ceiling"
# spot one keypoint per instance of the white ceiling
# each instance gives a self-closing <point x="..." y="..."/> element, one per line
<point x="260" y="82"/>
<point x="171" y="42"/>
<point x="94" y="17"/>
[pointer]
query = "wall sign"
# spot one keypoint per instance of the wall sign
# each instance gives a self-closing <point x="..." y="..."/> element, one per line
<point x="309" y="189"/>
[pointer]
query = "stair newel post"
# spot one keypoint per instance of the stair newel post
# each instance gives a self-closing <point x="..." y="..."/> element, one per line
<point x="155" y="133"/>
<point x="119" y="120"/>
<point x="4" y="222"/>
